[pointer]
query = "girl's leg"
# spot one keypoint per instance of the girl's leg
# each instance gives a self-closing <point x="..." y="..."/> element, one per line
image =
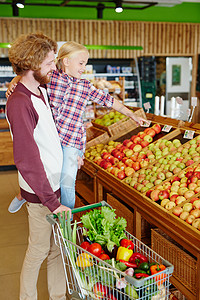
<point x="68" y="175"/>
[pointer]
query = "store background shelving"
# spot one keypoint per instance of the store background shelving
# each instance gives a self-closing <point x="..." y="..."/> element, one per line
<point x="6" y="75"/>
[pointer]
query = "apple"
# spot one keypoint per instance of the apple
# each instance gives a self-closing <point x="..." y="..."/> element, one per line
<point x="197" y="189"/>
<point x="187" y="207"/>
<point x="139" y="187"/>
<point x="190" y="219"/>
<point x="189" y="162"/>
<point x="137" y="148"/>
<point x="114" y="160"/>
<point x="192" y="186"/>
<point x="189" y="194"/>
<point x="196" y="204"/>
<point x="157" y="181"/>
<point x="137" y="140"/>
<point x="129" y="171"/>
<point x="177" y="210"/>
<point x="161" y="176"/>
<point x="195" y="212"/>
<point x="149" y="185"/>
<point x="173" y="197"/>
<point x="170" y="205"/>
<point x="151" y="132"/>
<point x="144" y="143"/>
<point x="196" y="223"/>
<point x="129" y="152"/>
<point x="154" y="195"/>
<point x="166" y="185"/>
<point x="136" y="166"/>
<point x="164" y="202"/>
<point x="121" y="174"/>
<point x="157" y="128"/>
<point x="179" y="200"/>
<point x="163" y="194"/>
<point x="133" y="182"/>
<point x="100" y="290"/>
<point x="182" y="190"/>
<point x="184" y="215"/>
<point x="148" y="138"/>
<point x="115" y="171"/>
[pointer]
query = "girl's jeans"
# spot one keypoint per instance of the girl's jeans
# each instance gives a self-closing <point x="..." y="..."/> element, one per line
<point x="68" y="175"/>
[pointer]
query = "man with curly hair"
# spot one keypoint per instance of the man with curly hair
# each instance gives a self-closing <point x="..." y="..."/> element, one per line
<point x="38" y="158"/>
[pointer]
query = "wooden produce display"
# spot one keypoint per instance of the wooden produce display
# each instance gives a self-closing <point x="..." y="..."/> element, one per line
<point x="95" y="136"/>
<point x="124" y="196"/>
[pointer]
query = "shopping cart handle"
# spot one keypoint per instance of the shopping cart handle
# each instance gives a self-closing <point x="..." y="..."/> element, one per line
<point x="51" y="217"/>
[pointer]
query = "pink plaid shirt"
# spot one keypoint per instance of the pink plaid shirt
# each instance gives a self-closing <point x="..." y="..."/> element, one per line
<point x="68" y="99"/>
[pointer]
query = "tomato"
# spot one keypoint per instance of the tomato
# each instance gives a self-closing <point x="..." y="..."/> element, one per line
<point x="104" y="256"/>
<point x="95" y="249"/>
<point x="85" y="245"/>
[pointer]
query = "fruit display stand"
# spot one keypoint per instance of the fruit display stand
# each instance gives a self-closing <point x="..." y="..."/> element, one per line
<point x="95" y="135"/>
<point x="114" y="190"/>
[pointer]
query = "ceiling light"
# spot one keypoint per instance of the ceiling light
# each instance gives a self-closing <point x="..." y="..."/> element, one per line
<point x="20" y="3"/>
<point x="118" y="7"/>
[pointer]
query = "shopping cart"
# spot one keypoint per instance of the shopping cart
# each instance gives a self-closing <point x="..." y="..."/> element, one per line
<point x="89" y="277"/>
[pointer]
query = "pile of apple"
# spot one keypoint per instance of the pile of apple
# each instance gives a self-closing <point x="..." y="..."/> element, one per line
<point x="189" y="212"/>
<point x="166" y="167"/>
<point x="178" y="189"/>
<point x="110" y="118"/>
<point x="123" y="159"/>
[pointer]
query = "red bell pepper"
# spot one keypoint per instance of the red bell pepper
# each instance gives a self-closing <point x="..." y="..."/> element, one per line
<point x="128" y="264"/>
<point x="140" y="275"/>
<point x="138" y="258"/>
<point x="127" y="244"/>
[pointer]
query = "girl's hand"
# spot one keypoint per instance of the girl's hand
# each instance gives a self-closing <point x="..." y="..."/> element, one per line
<point x="80" y="161"/>
<point x="10" y="89"/>
<point x="139" y="121"/>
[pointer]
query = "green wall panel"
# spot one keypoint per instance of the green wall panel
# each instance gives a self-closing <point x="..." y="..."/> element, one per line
<point x="185" y="12"/>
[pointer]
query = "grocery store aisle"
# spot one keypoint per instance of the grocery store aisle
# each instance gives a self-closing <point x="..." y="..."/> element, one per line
<point x="13" y="242"/>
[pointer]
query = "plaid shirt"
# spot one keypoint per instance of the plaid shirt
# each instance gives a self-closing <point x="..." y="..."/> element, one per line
<point x="68" y="100"/>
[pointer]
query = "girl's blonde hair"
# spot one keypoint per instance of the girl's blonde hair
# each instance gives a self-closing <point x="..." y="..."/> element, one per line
<point x="67" y="50"/>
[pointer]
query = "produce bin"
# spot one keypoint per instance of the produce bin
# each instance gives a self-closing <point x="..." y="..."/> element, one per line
<point x="89" y="277"/>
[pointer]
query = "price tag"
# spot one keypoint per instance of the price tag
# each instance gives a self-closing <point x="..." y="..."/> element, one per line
<point x="145" y="124"/>
<point x="189" y="134"/>
<point x="194" y="101"/>
<point x="166" y="128"/>
<point x="147" y="105"/>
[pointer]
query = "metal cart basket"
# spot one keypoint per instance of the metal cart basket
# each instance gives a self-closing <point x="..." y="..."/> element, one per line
<point x="89" y="277"/>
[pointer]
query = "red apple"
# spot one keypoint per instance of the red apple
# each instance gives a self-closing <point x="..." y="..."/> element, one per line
<point x="170" y="205"/>
<point x="190" y="219"/>
<point x="100" y="290"/>
<point x="125" y="142"/>
<point x="195" y="212"/>
<point x="196" y="223"/>
<point x="163" y="194"/>
<point x="137" y="148"/>
<point x="184" y="215"/>
<point x="137" y="139"/>
<point x="179" y="200"/>
<point x="196" y="203"/>
<point x="155" y="195"/>
<point x="121" y="174"/>
<point x="189" y="162"/>
<point x="173" y="197"/>
<point x="114" y="160"/>
<point x="189" y="194"/>
<point x="151" y="132"/>
<point x="157" y="128"/>
<point x="177" y="211"/>
<point x="136" y="166"/>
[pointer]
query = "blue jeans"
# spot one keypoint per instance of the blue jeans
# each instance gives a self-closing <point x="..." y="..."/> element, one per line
<point x="68" y="175"/>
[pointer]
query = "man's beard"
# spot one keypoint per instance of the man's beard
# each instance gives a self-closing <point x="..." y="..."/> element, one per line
<point x="41" y="79"/>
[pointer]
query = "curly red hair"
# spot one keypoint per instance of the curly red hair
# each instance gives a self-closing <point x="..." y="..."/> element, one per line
<point x="27" y="52"/>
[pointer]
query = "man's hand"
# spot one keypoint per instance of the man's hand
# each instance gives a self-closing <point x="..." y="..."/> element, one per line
<point x="62" y="208"/>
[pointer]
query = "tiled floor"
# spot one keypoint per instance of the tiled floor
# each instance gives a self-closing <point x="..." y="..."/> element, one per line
<point x="13" y="242"/>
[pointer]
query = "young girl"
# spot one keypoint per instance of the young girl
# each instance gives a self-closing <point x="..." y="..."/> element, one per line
<point x="69" y="95"/>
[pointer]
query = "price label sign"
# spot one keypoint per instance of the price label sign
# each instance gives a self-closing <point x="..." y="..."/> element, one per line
<point x="194" y="101"/>
<point x="166" y="128"/>
<point x="189" y="134"/>
<point x="179" y="100"/>
<point x="147" y="105"/>
<point x="146" y="124"/>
